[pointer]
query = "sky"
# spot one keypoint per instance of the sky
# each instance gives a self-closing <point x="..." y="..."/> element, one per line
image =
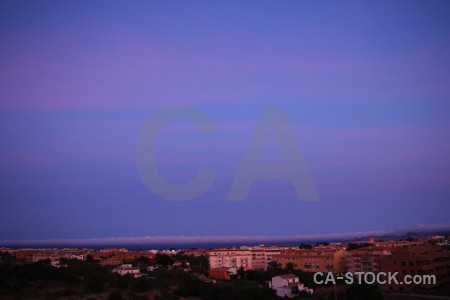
<point x="364" y="87"/>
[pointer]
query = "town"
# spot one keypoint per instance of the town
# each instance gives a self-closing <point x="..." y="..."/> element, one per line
<point x="266" y="271"/>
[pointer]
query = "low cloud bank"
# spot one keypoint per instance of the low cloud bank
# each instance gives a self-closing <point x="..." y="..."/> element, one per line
<point x="190" y="240"/>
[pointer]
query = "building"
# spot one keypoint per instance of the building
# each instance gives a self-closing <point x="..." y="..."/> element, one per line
<point x="220" y="273"/>
<point x="323" y="259"/>
<point x="122" y="254"/>
<point x="51" y="257"/>
<point x="75" y="256"/>
<point x="57" y="264"/>
<point x="284" y="285"/>
<point x="249" y="258"/>
<point x="110" y="262"/>
<point x="128" y="269"/>
<point x="417" y="260"/>
<point x="365" y="259"/>
<point x="230" y="258"/>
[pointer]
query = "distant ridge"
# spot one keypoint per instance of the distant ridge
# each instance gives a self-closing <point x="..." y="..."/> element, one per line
<point x="401" y="232"/>
<point x="408" y="234"/>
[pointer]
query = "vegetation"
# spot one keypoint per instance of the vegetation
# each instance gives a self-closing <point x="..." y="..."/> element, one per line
<point x="78" y="279"/>
<point x="364" y="291"/>
<point x="163" y="260"/>
<point x="305" y="246"/>
<point x="89" y="280"/>
<point x="262" y="277"/>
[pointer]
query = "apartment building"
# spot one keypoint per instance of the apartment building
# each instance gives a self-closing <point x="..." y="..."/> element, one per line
<point x="250" y="258"/>
<point x="230" y="258"/>
<point x="365" y="259"/>
<point x="313" y="260"/>
<point x="417" y="260"/>
<point x="121" y="255"/>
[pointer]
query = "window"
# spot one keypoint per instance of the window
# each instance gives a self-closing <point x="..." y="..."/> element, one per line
<point x="403" y="263"/>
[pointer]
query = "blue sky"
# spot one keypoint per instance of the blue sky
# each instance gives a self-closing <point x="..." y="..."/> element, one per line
<point x="365" y="87"/>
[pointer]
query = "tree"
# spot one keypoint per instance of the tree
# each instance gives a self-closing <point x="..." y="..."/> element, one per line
<point x="241" y="273"/>
<point x="6" y="258"/>
<point x="323" y="244"/>
<point x="364" y="291"/>
<point x="163" y="260"/>
<point x="354" y="246"/>
<point x="190" y="287"/>
<point x="290" y="267"/>
<point x="141" y="285"/>
<point x="180" y="256"/>
<point x="305" y="246"/>
<point x="198" y="264"/>
<point x="274" y="265"/>
<point x="306" y="278"/>
<point x="142" y="260"/>
<point x="95" y="284"/>
<point x="116" y="295"/>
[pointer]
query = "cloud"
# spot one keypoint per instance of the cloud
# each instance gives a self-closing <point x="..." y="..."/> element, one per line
<point x="230" y="240"/>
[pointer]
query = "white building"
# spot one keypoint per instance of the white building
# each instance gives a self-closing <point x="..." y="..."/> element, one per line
<point x="283" y="285"/>
<point x="74" y="256"/>
<point x="152" y="268"/>
<point x="57" y="264"/>
<point x="128" y="269"/>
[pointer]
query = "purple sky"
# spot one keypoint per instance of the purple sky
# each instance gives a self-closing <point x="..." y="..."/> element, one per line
<point x="366" y="87"/>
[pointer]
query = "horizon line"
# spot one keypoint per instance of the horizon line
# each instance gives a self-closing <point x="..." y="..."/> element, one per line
<point x="240" y="239"/>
